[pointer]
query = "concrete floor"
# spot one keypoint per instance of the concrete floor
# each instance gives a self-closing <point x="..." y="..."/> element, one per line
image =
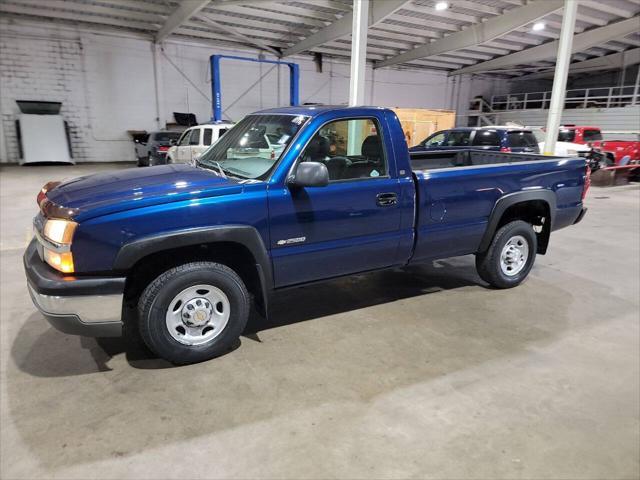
<point x="400" y="374"/>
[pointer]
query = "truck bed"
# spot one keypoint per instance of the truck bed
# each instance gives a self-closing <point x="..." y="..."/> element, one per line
<point x="439" y="159"/>
<point x="457" y="192"/>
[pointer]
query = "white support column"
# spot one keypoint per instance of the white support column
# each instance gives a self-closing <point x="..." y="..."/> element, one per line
<point x="561" y="74"/>
<point x="358" y="51"/>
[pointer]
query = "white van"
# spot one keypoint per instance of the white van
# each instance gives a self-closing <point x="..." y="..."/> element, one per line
<point x="196" y="140"/>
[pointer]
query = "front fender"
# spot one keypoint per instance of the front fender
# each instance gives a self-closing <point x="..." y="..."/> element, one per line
<point x="130" y="253"/>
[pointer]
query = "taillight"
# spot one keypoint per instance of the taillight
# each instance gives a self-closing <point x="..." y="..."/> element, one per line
<point x="505" y="149"/>
<point x="587" y="182"/>
<point x="163" y="148"/>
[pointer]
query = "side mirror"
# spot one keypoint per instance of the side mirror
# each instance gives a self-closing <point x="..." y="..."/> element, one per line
<point x="173" y="143"/>
<point x="310" y="174"/>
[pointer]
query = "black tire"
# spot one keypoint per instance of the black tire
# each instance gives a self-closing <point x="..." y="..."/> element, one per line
<point x="488" y="263"/>
<point x="157" y="297"/>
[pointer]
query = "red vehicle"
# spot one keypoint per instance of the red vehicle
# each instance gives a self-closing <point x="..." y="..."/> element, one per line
<point x="615" y="150"/>
<point x="578" y="134"/>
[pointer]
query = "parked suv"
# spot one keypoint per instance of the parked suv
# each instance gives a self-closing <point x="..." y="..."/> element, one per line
<point x="152" y="149"/>
<point x="481" y="138"/>
<point x="196" y="140"/>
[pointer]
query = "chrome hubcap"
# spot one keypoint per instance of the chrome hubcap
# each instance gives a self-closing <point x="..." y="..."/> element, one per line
<point x="514" y="255"/>
<point x="198" y="314"/>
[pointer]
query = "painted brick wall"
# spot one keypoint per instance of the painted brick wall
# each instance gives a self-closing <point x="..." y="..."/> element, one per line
<point x="32" y="69"/>
<point x="106" y="83"/>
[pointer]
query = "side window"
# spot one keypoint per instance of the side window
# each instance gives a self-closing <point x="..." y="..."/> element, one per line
<point x="222" y="131"/>
<point x="592" y="135"/>
<point x="458" y="139"/>
<point x="195" y="137"/>
<point x="521" y="139"/>
<point x="208" y="133"/>
<point x="435" y="140"/>
<point x="486" y="138"/>
<point x="566" y="135"/>
<point x="351" y="149"/>
<point x="184" y="139"/>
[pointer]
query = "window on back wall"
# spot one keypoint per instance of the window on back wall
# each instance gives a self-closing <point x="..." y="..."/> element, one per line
<point x="351" y="149"/>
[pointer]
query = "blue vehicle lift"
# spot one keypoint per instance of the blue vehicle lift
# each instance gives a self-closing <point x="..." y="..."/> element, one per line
<point x="294" y="79"/>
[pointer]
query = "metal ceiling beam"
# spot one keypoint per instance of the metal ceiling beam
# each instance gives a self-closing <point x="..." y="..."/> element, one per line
<point x="73" y="6"/>
<point x="378" y="11"/>
<point x="607" y="7"/>
<point x="477" y="7"/>
<point x="442" y="15"/>
<point x="232" y="31"/>
<point x="184" y="12"/>
<point x="256" y="25"/>
<point x="283" y="16"/>
<point x="629" y="41"/>
<point x="609" y="62"/>
<point x="7" y="8"/>
<point x="478" y="33"/>
<point x="583" y="17"/>
<point x="582" y="41"/>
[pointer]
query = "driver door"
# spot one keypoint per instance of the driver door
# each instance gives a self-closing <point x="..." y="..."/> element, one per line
<point x="351" y="225"/>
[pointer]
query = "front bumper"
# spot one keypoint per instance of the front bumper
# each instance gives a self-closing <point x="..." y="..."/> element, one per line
<point x="88" y="306"/>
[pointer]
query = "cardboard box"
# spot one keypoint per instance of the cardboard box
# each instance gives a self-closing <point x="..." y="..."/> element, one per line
<point x="419" y="123"/>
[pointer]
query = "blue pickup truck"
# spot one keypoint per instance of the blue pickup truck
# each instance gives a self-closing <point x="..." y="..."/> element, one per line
<point x="189" y="249"/>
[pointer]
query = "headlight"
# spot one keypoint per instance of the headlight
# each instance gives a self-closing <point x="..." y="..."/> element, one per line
<point x="572" y="152"/>
<point x="59" y="231"/>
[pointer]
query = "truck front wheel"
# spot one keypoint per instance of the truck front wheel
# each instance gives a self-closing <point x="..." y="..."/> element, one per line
<point x="510" y="257"/>
<point x="193" y="312"/>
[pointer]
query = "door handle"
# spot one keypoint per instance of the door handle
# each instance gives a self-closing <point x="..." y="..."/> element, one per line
<point x="386" y="199"/>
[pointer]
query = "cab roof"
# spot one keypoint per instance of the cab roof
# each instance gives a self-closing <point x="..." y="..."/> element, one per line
<point x="313" y="110"/>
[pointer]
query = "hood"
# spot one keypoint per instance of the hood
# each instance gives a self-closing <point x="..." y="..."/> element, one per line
<point x="109" y="192"/>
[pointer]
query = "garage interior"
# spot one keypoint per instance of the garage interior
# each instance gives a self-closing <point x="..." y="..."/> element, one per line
<point x="416" y="372"/>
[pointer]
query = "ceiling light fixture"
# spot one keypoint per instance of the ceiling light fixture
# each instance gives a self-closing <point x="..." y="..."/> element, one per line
<point x="441" y="6"/>
<point x="538" y="26"/>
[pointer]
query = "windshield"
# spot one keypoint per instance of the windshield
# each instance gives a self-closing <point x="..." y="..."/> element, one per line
<point x="253" y="146"/>
<point x="166" y="136"/>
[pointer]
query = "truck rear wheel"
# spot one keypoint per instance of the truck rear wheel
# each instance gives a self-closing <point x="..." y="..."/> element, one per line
<point x="193" y="312"/>
<point x="510" y="257"/>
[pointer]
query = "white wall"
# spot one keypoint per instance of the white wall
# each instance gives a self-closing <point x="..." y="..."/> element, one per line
<point x="106" y="83"/>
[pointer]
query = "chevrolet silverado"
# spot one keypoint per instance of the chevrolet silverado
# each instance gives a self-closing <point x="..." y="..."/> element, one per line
<point x="190" y="248"/>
